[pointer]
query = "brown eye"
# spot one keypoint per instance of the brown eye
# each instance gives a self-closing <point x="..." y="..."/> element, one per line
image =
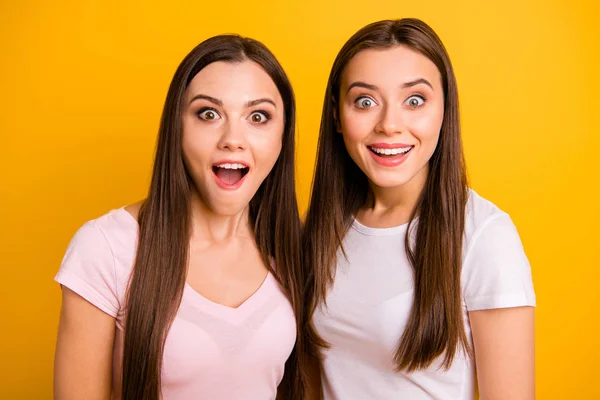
<point x="209" y="115"/>
<point x="415" y="101"/>
<point x="259" y="117"/>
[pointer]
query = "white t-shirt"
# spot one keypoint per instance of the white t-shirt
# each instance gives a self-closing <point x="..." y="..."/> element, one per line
<point x="369" y="304"/>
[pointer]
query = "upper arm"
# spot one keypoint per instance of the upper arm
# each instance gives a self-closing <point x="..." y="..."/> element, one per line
<point x="496" y="271"/>
<point x="503" y="341"/>
<point x="84" y="350"/>
<point x="499" y="296"/>
<point x="91" y="303"/>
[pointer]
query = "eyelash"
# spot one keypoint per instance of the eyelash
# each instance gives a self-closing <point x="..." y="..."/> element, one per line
<point x="419" y="95"/>
<point x="364" y="97"/>
<point x="204" y="109"/>
<point x="264" y="113"/>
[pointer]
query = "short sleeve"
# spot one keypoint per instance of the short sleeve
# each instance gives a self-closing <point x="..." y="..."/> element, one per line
<point x="88" y="269"/>
<point x="496" y="272"/>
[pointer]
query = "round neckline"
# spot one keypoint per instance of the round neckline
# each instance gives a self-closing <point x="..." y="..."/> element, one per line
<point x="367" y="230"/>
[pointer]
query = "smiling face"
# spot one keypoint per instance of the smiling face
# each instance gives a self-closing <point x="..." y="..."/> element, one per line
<point x="391" y="109"/>
<point x="233" y="122"/>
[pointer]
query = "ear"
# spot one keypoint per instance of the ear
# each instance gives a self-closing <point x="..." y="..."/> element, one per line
<point x="338" y="125"/>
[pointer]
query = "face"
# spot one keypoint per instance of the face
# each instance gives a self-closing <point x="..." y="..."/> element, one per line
<point x="233" y="121"/>
<point x="391" y="109"/>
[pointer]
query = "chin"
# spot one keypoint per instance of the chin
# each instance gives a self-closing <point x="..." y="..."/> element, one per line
<point x="388" y="179"/>
<point x="388" y="183"/>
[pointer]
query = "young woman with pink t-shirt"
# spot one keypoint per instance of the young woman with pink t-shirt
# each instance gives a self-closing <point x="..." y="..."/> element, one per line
<point x="191" y="293"/>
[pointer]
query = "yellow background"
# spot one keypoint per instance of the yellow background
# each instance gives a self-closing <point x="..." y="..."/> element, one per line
<point x="82" y="87"/>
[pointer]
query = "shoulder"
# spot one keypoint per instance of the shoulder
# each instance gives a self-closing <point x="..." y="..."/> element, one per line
<point x="112" y="231"/>
<point x="484" y="218"/>
<point x="496" y="272"/>
<point x="99" y="260"/>
<point x="134" y="209"/>
<point x="486" y="224"/>
<point x="479" y="213"/>
<point x="104" y="246"/>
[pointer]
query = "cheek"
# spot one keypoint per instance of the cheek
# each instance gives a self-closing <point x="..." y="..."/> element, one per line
<point x="270" y="152"/>
<point x="196" y="149"/>
<point x="266" y="149"/>
<point x="356" y="128"/>
<point x="427" y="128"/>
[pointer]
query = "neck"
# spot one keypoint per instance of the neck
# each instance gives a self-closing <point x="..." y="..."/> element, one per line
<point x="396" y="204"/>
<point x="207" y="225"/>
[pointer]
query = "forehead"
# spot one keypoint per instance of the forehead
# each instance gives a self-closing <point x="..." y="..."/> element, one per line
<point x="389" y="67"/>
<point x="234" y="82"/>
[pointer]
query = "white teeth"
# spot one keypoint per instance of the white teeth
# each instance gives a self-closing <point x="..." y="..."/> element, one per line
<point x="389" y="152"/>
<point x="231" y="166"/>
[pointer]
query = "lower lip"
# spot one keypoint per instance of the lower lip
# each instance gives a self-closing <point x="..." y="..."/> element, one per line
<point x="225" y="186"/>
<point x="390" y="161"/>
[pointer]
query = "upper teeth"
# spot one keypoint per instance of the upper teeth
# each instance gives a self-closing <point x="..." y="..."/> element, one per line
<point x="388" y="152"/>
<point x="231" y="166"/>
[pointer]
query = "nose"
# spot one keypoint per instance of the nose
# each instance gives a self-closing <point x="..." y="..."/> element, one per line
<point x="391" y="122"/>
<point x="233" y="137"/>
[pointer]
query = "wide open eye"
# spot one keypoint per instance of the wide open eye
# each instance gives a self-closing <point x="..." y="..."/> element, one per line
<point x="415" y="101"/>
<point x="208" y="114"/>
<point x="365" y="102"/>
<point x="260" y="117"/>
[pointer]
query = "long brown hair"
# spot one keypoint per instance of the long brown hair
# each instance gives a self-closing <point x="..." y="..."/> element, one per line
<point x="433" y="245"/>
<point x="158" y="278"/>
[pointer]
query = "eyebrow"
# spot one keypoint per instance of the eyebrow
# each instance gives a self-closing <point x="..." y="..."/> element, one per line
<point x="218" y="102"/>
<point x="403" y="86"/>
<point x="416" y="82"/>
<point x="362" y="85"/>
<point x="253" y="103"/>
<point x="205" y="97"/>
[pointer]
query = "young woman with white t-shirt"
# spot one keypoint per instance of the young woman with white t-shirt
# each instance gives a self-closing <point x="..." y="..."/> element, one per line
<point x="192" y="293"/>
<point x="419" y="288"/>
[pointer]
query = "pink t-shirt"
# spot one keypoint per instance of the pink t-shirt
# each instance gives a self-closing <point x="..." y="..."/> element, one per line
<point x="212" y="351"/>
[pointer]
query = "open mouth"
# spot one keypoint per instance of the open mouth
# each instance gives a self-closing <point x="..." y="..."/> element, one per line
<point x="230" y="174"/>
<point x="389" y="153"/>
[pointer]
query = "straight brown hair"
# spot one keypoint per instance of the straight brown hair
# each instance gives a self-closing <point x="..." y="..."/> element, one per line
<point x="433" y="244"/>
<point x="159" y="274"/>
